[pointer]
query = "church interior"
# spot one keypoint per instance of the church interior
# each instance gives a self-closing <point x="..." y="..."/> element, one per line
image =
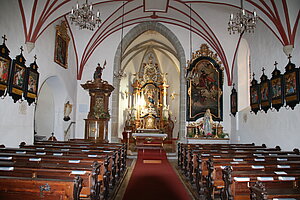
<point x="149" y="99"/>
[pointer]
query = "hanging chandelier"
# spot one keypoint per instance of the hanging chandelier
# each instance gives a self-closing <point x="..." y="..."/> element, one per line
<point x="242" y="22"/>
<point x="84" y="16"/>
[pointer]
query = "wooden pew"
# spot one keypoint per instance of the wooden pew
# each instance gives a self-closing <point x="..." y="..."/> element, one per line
<point x="22" y="188"/>
<point x="88" y="178"/>
<point x="237" y="183"/>
<point x="260" y="192"/>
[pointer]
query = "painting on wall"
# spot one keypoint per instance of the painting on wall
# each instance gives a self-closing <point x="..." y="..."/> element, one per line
<point x="276" y="86"/>
<point x="254" y="95"/>
<point x="31" y="83"/>
<point x="233" y="101"/>
<point x="61" y="45"/>
<point x="17" y="77"/>
<point x="291" y="85"/>
<point x="5" y="61"/>
<point x="205" y="86"/>
<point x="265" y="97"/>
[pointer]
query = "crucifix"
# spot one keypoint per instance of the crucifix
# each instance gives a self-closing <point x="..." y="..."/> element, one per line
<point x="4" y="38"/>
<point x="21" y="48"/>
<point x="35" y="58"/>
<point x="263" y="70"/>
<point x="253" y="75"/>
<point x="275" y="64"/>
<point x="289" y="57"/>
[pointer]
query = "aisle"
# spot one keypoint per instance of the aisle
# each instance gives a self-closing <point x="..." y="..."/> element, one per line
<point x="153" y="178"/>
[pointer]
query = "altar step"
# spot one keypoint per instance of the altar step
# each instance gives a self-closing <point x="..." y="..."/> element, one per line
<point x="170" y="156"/>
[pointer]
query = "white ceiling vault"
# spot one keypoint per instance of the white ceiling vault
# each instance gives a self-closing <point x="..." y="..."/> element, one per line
<point x="278" y="16"/>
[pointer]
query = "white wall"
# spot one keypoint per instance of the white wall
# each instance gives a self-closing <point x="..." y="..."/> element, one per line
<point x="272" y="128"/>
<point x="17" y="125"/>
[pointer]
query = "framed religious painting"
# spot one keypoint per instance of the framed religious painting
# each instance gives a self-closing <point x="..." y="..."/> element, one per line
<point x="17" y="77"/>
<point x="265" y="97"/>
<point x="205" y="85"/>
<point x="62" y="40"/>
<point x="277" y="89"/>
<point x="233" y="101"/>
<point x="31" y="83"/>
<point x="5" y="65"/>
<point x="291" y="85"/>
<point x="254" y="96"/>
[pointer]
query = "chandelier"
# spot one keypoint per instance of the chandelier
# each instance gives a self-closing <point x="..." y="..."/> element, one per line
<point x="242" y="21"/>
<point x="84" y="17"/>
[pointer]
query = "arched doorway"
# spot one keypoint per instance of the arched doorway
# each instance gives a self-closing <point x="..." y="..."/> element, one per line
<point x="48" y="116"/>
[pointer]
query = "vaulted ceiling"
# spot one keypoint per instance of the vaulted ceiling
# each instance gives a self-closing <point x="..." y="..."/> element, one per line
<point x="278" y="16"/>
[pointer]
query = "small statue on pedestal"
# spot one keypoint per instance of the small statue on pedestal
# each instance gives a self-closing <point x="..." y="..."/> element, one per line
<point x="207" y="123"/>
<point x="98" y="72"/>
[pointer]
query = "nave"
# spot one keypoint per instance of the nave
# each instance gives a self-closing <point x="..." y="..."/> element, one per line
<point x="81" y="169"/>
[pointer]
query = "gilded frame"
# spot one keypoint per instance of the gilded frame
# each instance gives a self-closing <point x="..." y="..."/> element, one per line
<point x="62" y="40"/>
<point x="205" y="89"/>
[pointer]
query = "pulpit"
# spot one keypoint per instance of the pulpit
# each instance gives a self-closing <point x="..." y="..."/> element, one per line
<point x="96" y="124"/>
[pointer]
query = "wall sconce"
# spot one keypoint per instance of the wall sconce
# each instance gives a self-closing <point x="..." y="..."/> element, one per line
<point x="67" y="111"/>
<point x="173" y="95"/>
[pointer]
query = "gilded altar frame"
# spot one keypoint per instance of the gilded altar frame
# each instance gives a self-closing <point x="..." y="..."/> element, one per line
<point x="204" y="85"/>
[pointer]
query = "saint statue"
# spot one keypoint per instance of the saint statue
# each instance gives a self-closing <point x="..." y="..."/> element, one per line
<point x="207" y="122"/>
<point x="98" y="72"/>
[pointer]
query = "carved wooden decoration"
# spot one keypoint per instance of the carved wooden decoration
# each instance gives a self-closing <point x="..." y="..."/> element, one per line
<point x="265" y="100"/>
<point x="254" y="95"/>
<point x="277" y="89"/>
<point x="291" y="85"/>
<point x="31" y="82"/>
<point x="233" y="101"/>
<point x="17" y="77"/>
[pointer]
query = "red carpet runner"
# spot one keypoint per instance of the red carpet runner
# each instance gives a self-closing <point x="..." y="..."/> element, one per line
<point x="153" y="178"/>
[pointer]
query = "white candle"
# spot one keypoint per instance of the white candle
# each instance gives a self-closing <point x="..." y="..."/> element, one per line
<point x="231" y="16"/>
<point x="77" y="6"/>
<point x="91" y="7"/>
<point x="243" y="11"/>
<point x="72" y="11"/>
<point x="98" y="14"/>
<point x="254" y="13"/>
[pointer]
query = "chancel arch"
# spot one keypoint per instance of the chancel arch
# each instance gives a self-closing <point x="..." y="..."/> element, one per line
<point x="138" y="44"/>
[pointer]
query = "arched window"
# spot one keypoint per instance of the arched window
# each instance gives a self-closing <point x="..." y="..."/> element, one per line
<point x="243" y="75"/>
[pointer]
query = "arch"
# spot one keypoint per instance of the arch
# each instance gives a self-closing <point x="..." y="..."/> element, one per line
<point x="50" y="106"/>
<point x="243" y="75"/>
<point x="180" y="54"/>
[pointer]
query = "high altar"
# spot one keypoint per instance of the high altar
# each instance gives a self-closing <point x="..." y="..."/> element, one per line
<point x="149" y="111"/>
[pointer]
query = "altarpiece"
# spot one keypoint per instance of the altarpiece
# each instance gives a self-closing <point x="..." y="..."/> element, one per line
<point x="149" y="109"/>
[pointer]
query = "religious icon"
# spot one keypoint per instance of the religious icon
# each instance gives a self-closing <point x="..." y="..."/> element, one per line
<point x="4" y="70"/>
<point x="264" y="92"/>
<point x="276" y="87"/>
<point x="32" y="82"/>
<point x="19" y="75"/>
<point x="290" y="83"/>
<point x="61" y="45"/>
